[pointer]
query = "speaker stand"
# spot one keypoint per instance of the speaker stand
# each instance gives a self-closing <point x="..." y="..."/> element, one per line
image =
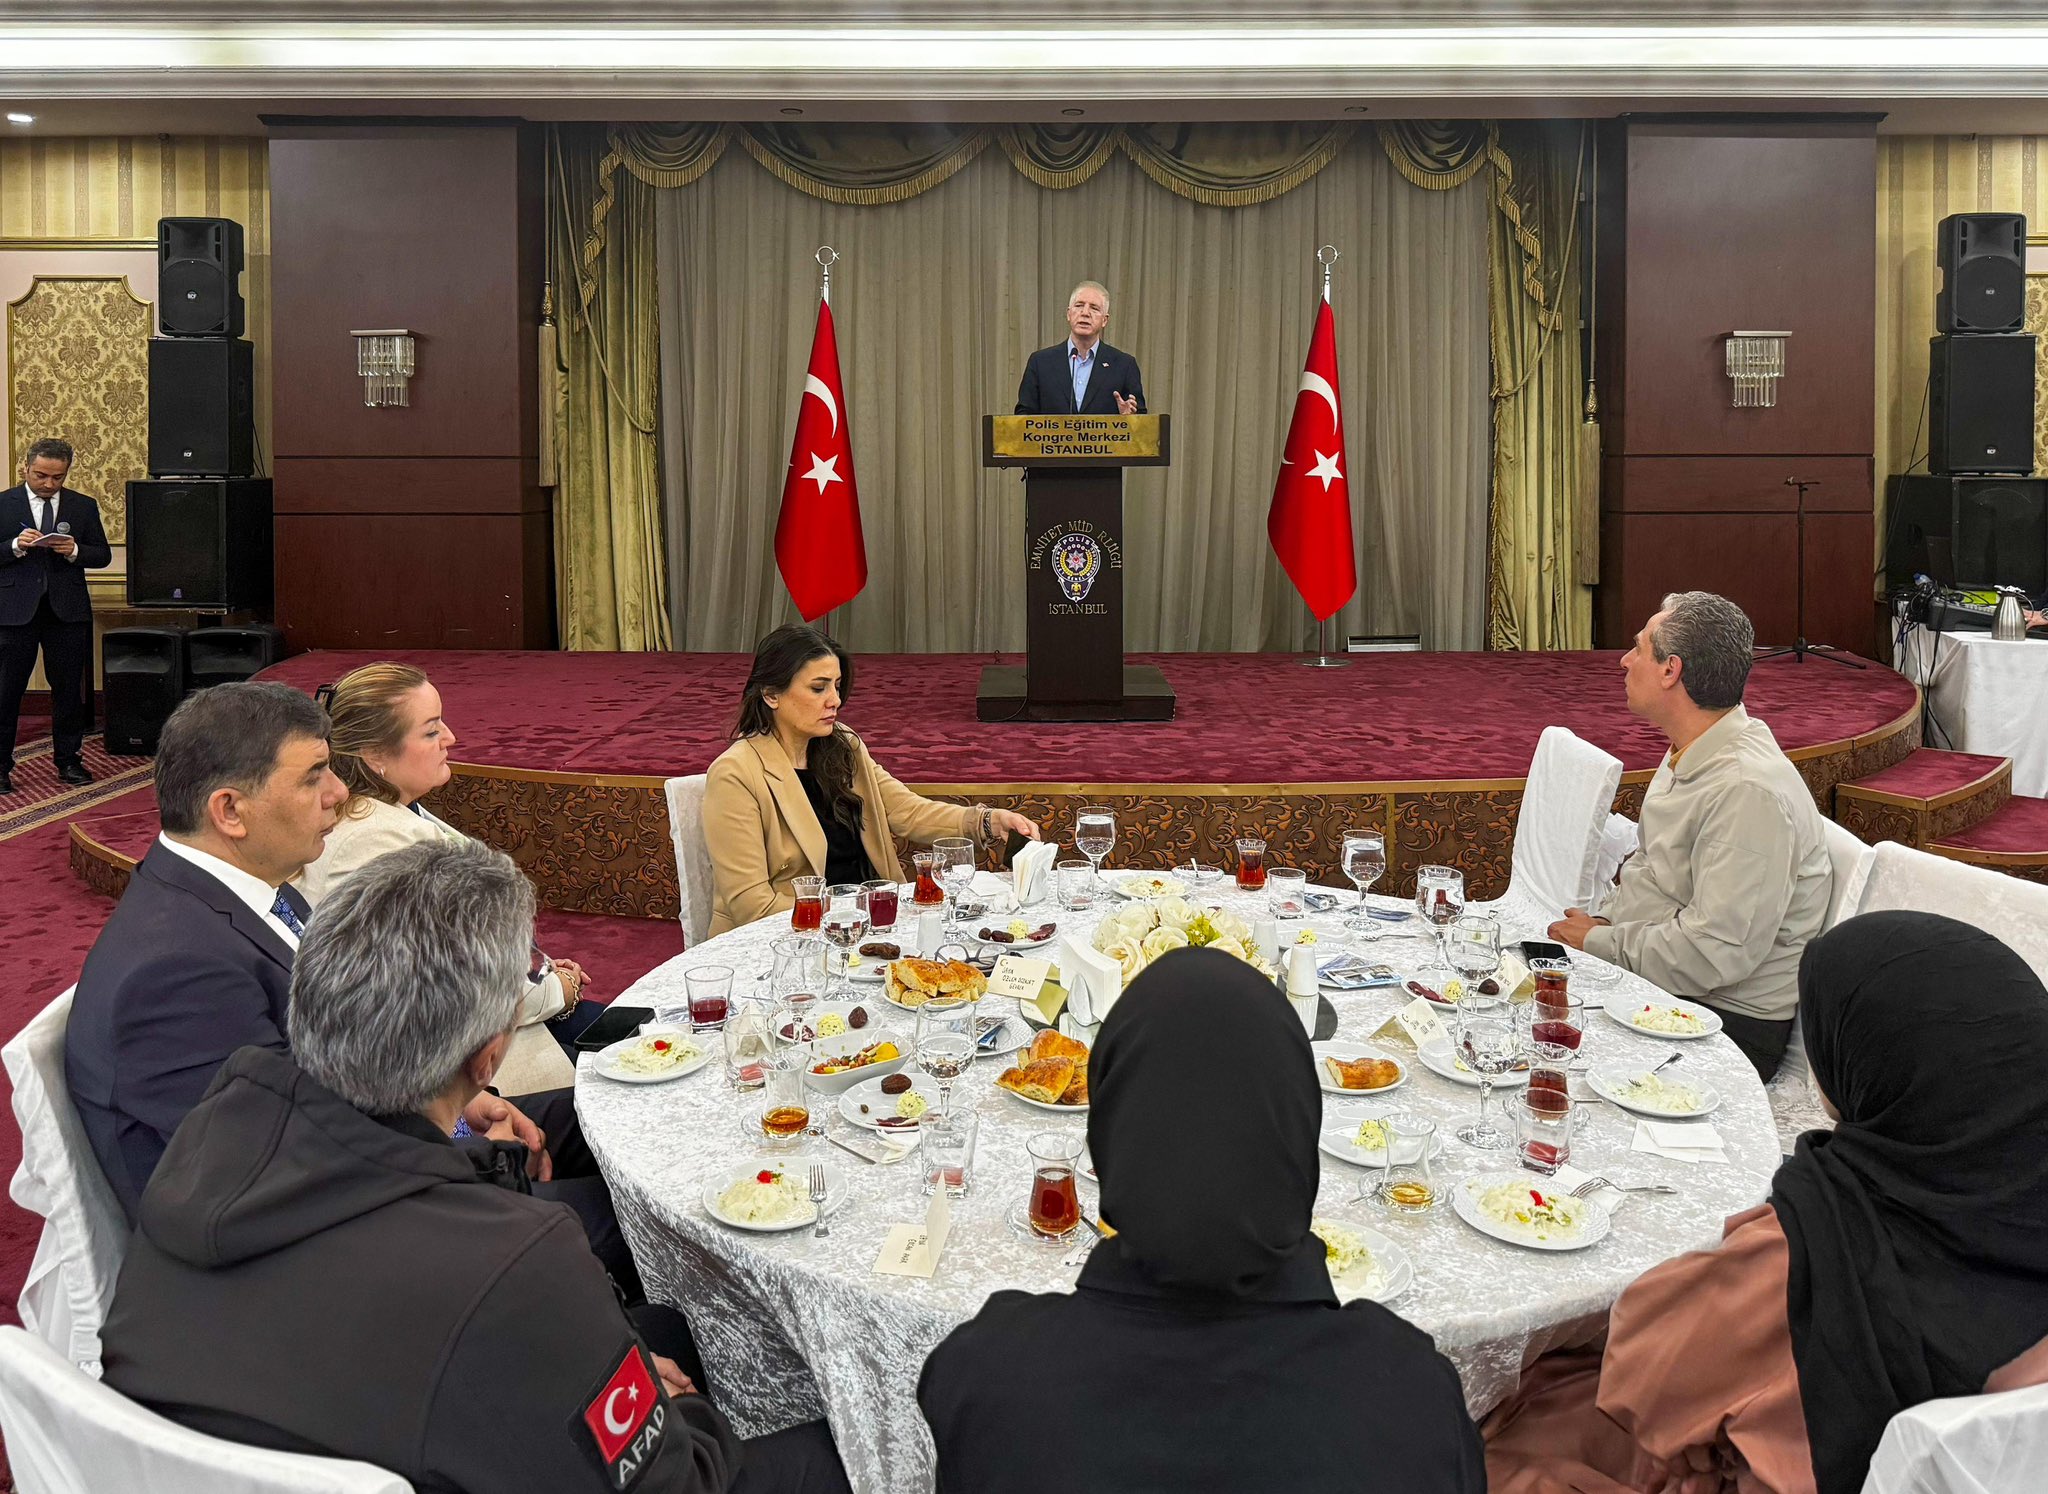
<point x="1801" y="650"/>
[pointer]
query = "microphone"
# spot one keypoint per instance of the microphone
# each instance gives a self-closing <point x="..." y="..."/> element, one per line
<point x="63" y="526"/>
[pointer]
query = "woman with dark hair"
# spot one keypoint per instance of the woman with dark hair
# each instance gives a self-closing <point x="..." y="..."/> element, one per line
<point x="1902" y="1257"/>
<point x="798" y="795"/>
<point x="1203" y="1348"/>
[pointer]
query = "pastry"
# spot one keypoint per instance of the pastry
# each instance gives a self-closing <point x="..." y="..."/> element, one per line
<point x="1045" y="1080"/>
<point x="1362" y="1073"/>
<point x="913" y="982"/>
<point x="1053" y="1044"/>
<point x="1077" y="1087"/>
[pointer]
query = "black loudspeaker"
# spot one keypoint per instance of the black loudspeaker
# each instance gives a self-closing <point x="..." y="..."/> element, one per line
<point x="1969" y="532"/>
<point x="1981" y="403"/>
<point x="202" y="407"/>
<point x="202" y="543"/>
<point x="199" y="277"/>
<point x="220" y="656"/>
<point x="1983" y="259"/>
<point x="145" y="675"/>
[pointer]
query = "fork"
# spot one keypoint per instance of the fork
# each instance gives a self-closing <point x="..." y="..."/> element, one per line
<point x="1594" y="1184"/>
<point x="1079" y="1253"/>
<point x="818" y="1199"/>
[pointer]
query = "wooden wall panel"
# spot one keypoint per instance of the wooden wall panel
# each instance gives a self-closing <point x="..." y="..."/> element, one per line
<point x="1674" y="484"/>
<point x="416" y="580"/>
<point x="380" y="485"/>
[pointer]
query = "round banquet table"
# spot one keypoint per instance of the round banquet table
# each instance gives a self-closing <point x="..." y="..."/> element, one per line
<point x="793" y="1328"/>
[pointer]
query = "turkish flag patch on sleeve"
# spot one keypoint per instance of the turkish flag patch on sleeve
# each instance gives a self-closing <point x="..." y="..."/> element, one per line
<point x="626" y="1418"/>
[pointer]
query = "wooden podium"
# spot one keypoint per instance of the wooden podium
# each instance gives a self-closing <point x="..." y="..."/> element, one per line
<point x="1074" y="667"/>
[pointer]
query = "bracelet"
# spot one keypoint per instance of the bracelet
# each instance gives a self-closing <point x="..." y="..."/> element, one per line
<point x="988" y="820"/>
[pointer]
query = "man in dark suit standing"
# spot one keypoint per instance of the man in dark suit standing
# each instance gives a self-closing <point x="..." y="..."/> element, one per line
<point x="1083" y="375"/>
<point x="44" y="604"/>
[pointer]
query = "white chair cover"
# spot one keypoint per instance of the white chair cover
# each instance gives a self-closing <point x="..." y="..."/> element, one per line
<point x="693" y="857"/>
<point x="1795" y="1099"/>
<point x="1622" y="838"/>
<point x="85" y="1234"/>
<point x="2014" y="910"/>
<point x="69" y="1434"/>
<point x="1850" y="860"/>
<point x="1979" y="1444"/>
<point x="1560" y="830"/>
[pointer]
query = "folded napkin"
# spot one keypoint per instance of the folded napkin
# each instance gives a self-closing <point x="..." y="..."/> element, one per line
<point x="987" y="887"/>
<point x="1093" y="980"/>
<point x="1681" y="1141"/>
<point x="1565" y="1179"/>
<point x="1031" y="872"/>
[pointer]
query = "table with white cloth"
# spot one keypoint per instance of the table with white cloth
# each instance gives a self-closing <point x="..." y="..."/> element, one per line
<point x="792" y="1327"/>
<point x="1987" y="696"/>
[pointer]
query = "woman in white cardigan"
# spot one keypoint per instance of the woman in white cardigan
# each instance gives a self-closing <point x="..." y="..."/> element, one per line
<point x="390" y="746"/>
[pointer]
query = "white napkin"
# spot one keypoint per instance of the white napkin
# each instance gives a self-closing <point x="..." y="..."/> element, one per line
<point x="987" y="887"/>
<point x="1565" y="1179"/>
<point x="1031" y="872"/>
<point x="1093" y="980"/>
<point x="1681" y="1141"/>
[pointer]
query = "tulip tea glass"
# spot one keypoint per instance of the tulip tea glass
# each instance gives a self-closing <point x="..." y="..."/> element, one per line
<point x="1251" y="863"/>
<point x="1364" y="861"/>
<point x="927" y="893"/>
<point x="1407" y="1180"/>
<point x="1052" y="1212"/>
<point x="781" y="1114"/>
<point x="809" y="909"/>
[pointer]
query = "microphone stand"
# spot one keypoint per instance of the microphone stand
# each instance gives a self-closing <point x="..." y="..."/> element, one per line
<point x="1800" y="648"/>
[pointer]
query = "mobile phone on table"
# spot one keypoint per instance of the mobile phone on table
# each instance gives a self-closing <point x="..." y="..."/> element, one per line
<point x="617" y="1024"/>
<point x="1543" y="949"/>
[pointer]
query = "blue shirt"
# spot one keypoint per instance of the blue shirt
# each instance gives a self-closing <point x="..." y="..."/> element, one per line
<point x="1082" y="366"/>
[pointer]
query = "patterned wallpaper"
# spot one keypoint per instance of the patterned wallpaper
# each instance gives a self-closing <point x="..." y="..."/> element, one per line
<point x="77" y="354"/>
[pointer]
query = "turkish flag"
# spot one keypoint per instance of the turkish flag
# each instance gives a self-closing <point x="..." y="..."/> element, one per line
<point x="1310" y="520"/>
<point x="621" y="1407"/>
<point x="818" y="542"/>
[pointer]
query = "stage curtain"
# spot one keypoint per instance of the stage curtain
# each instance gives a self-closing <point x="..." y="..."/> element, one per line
<point x="611" y="572"/>
<point x="939" y="297"/>
<point x="1921" y="179"/>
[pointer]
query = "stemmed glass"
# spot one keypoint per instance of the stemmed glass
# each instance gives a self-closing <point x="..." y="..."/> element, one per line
<point x="1490" y="1046"/>
<point x="1364" y="860"/>
<point x="1095" y="834"/>
<point x="1474" y="942"/>
<point x="945" y="1046"/>
<point x="956" y="871"/>
<point x="845" y="924"/>
<point x="1439" y="900"/>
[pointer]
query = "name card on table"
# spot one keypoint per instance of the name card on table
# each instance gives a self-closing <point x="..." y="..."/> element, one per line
<point x="1418" y="1021"/>
<point x="913" y="1249"/>
<point x="1018" y="977"/>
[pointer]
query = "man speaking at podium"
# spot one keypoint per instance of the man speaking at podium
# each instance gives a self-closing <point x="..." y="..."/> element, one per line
<point x="1083" y="375"/>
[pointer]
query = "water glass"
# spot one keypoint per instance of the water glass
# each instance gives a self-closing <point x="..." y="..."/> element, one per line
<point x="1054" y="1209"/>
<point x="956" y="871"/>
<point x="710" y="989"/>
<point x="1095" y="833"/>
<point x="1474" y="942"/>
<point x="1439" y="900"/>
<point x="749" y="1044"/>
<point x="1286" y="891"/>
<point x="1407" y="1180"/>
<point x="1490" y="1047"/>
<point x="1543" y="1130"/>
<point x="883" y="899"/>
<point x="945" y="1045"/>
<point x="1363" y="858"/>
<point x="844" y="926"/>
<point x="1251" y="863"/>
<point x="809" y="909"/>
<point x="946" y="1154"/>
<point x="1075" y="880"/>
<point x="798" y="973"/>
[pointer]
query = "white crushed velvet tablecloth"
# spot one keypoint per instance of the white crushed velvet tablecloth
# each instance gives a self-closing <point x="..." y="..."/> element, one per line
<point x="793" y="1328"/>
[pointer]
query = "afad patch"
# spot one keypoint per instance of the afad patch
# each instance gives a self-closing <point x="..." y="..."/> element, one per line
<point x="626" y="1420"/>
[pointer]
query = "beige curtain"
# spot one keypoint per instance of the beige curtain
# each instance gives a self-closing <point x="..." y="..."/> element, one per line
<point x="939" y="297"/>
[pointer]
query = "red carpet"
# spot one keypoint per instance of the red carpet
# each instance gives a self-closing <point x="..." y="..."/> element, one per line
<point x="1243" y="718"/>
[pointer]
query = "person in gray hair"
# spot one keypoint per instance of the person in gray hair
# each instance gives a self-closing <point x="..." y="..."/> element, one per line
<point x="318" y="1268"/>
<point x="1733" y="878"/>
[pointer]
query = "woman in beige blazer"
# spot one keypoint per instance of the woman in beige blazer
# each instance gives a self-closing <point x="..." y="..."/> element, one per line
<point x="797" y="795"/>
<point x="390" y="746"/>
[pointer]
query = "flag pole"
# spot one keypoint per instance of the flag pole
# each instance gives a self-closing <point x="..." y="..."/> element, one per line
<point x="1327" y="257"/>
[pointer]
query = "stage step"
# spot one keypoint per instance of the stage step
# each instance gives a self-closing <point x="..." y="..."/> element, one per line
<point x="2013" y="839"/>
<point x="1927" y="796"/>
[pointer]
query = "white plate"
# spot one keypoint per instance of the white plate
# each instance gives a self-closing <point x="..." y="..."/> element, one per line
<point x="843" y="1010"/>
<point x="1146" y="884"/>
<point x="1016" y="1033"/>
<point x="1396" y="1272"/>
<point x="869" y="972"/>
<point x="1608" y="1080"/>
<point x="835" y="1194"/>
<point x="1710" y="1020"/>
<point x="1013" y="946"/>
<point x="869" y="1092"/>
<point x="1338" y="1139"/>
<point x="606" y="1060"/>
<point x="1041" y="1105"/>
<point x="1464" y="1202"/>
<point x="1353" y="1052"/>
<point x="851" y="1043"/>
<point x="1438" y="1060"/>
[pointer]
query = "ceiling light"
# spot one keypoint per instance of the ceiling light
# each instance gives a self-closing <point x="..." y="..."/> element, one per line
<point x="13" y="118"/>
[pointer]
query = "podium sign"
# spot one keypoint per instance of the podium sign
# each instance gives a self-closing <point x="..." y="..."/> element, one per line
<point x="1074" y="569"/>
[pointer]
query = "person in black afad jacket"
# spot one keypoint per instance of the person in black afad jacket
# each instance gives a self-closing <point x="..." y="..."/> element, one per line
<point x="318" y="1269"/>
<point x="1203" y="1350"/>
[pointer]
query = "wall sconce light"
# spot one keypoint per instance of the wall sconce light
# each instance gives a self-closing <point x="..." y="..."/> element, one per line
<point x="384" y="359"/>
<point x="1756" y="361"/>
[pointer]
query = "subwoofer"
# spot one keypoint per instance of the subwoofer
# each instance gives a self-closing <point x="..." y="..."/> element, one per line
<point x="199" y="277"/>
<point x="220" y="656"/>
<point x="145" y="675"/>
<point x="1983" y="259"/>
<point x="1981" y="404"/>
<point x="201" y="543"/>
<point x="1970" y="532"/>
<point x="202" y="407"/>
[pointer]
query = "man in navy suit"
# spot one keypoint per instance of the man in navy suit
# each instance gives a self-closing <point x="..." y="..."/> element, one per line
<point x="44" y="604"/>
<point x="1083" y="375"/>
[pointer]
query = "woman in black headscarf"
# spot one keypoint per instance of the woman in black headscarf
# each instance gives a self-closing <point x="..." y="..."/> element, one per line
<point x="1203" y="1347"/>
<point x="1902" y="1257"/>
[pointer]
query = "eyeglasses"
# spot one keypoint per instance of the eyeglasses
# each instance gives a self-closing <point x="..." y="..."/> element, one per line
<point x="541" y="967"/>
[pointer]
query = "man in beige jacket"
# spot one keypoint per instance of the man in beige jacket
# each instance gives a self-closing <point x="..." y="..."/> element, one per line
<point x="1733" y="876"/>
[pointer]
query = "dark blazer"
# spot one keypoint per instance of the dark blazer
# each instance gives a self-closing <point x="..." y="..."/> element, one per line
<point x="1048" y="387"/>
<point x="24" y="579"/>
<point x="183" y="974"/>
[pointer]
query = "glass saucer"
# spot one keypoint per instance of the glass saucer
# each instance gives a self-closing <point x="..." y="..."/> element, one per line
<point x="1019" y="1220"/>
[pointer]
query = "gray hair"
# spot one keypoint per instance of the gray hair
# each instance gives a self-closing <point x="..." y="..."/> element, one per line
<point x="417" y="961"/>
<point x="229" y="736"/>
<point x="1714" y="638"/>
<point x="1091" y="285"/>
